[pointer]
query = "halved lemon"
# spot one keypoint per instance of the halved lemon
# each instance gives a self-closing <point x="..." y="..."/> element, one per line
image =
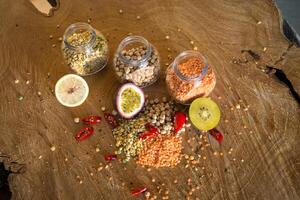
<point x="204" y="113"/>
<point x="71" y="90"/>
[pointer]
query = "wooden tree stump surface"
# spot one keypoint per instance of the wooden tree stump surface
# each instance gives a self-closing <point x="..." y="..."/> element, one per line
<point x="260" y="155"/>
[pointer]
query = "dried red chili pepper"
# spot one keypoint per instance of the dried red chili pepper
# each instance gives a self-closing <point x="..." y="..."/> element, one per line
<point x="110" y="157"/>
<point x="151" y="131"/>
<point x="111" y="120"/>
<point x="179" y="121"/>
<point x="84" y="133"/>
<point x="91" y="120"/>
<point x="216" y="134"/>
<point x="138" y="191"/>
<point x="151" y="128"/>
<point x="147" y="135"/>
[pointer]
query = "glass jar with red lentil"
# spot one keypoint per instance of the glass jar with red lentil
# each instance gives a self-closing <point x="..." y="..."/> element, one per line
<point x="189" y="77"/>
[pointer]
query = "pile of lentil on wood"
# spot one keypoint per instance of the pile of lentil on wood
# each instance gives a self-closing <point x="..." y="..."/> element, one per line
<point x="126" y="135"/>
<point x="162" y="150"/>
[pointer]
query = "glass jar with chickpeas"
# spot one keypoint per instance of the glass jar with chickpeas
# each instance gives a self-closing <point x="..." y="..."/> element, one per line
<point x="137" y="61"/>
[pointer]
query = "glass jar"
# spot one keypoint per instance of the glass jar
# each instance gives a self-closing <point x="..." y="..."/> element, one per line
<point x="137" y="61"/>
<point x="189" y="77"/>
<point x="85" y="49"/>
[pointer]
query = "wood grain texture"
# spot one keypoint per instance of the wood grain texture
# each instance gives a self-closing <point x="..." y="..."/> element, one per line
<point x="265" y="161"/>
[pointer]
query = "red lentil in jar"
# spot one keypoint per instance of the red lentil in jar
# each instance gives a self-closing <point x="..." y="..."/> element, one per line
<point x="189" y="77"/>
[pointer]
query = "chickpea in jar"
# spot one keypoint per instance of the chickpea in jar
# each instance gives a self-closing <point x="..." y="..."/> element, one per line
<point x="137" y="61"/>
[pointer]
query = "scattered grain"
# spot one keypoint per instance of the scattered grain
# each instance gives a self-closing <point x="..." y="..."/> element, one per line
<point x="99" y="169"/>
<point x="76" y="120"/>
<point x="20" y="98"/>
<point x="114" y="112"/>
<point x="52" y="148"/>
<point x="147" y="194"/>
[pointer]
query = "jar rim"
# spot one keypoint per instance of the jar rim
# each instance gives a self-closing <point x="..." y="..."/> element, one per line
<point x="134" y="39"/>
<point x="79" y="26"/>
<point x="191" y="54"/>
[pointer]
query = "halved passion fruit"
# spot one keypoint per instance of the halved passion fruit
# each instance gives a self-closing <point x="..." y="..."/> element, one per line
<point x="130" y="100"/>
<point x="204" y="113"/>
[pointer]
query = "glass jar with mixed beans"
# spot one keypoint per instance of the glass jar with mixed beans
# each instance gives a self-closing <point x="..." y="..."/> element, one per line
<point x="189" y="77"/>
<point x="85" y="49"/>
<point x="137" y="61"/>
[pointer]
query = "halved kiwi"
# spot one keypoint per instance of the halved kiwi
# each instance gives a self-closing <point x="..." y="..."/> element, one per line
<point x="204" y="113"/>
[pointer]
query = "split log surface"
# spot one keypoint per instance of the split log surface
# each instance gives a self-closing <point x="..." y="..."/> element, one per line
<point x="265" y="159"/>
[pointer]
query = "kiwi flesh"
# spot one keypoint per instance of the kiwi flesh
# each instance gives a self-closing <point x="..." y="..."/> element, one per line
<point x="204" y="113"/>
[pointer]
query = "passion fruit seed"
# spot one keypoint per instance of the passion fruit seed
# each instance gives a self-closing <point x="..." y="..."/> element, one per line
<point x="131" y="100"/>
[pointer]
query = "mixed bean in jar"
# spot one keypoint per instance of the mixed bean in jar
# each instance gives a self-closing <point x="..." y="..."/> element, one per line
<point x="85" y="49"/>
<point x="137" y="61"/>
<point x="189" y="77"/>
